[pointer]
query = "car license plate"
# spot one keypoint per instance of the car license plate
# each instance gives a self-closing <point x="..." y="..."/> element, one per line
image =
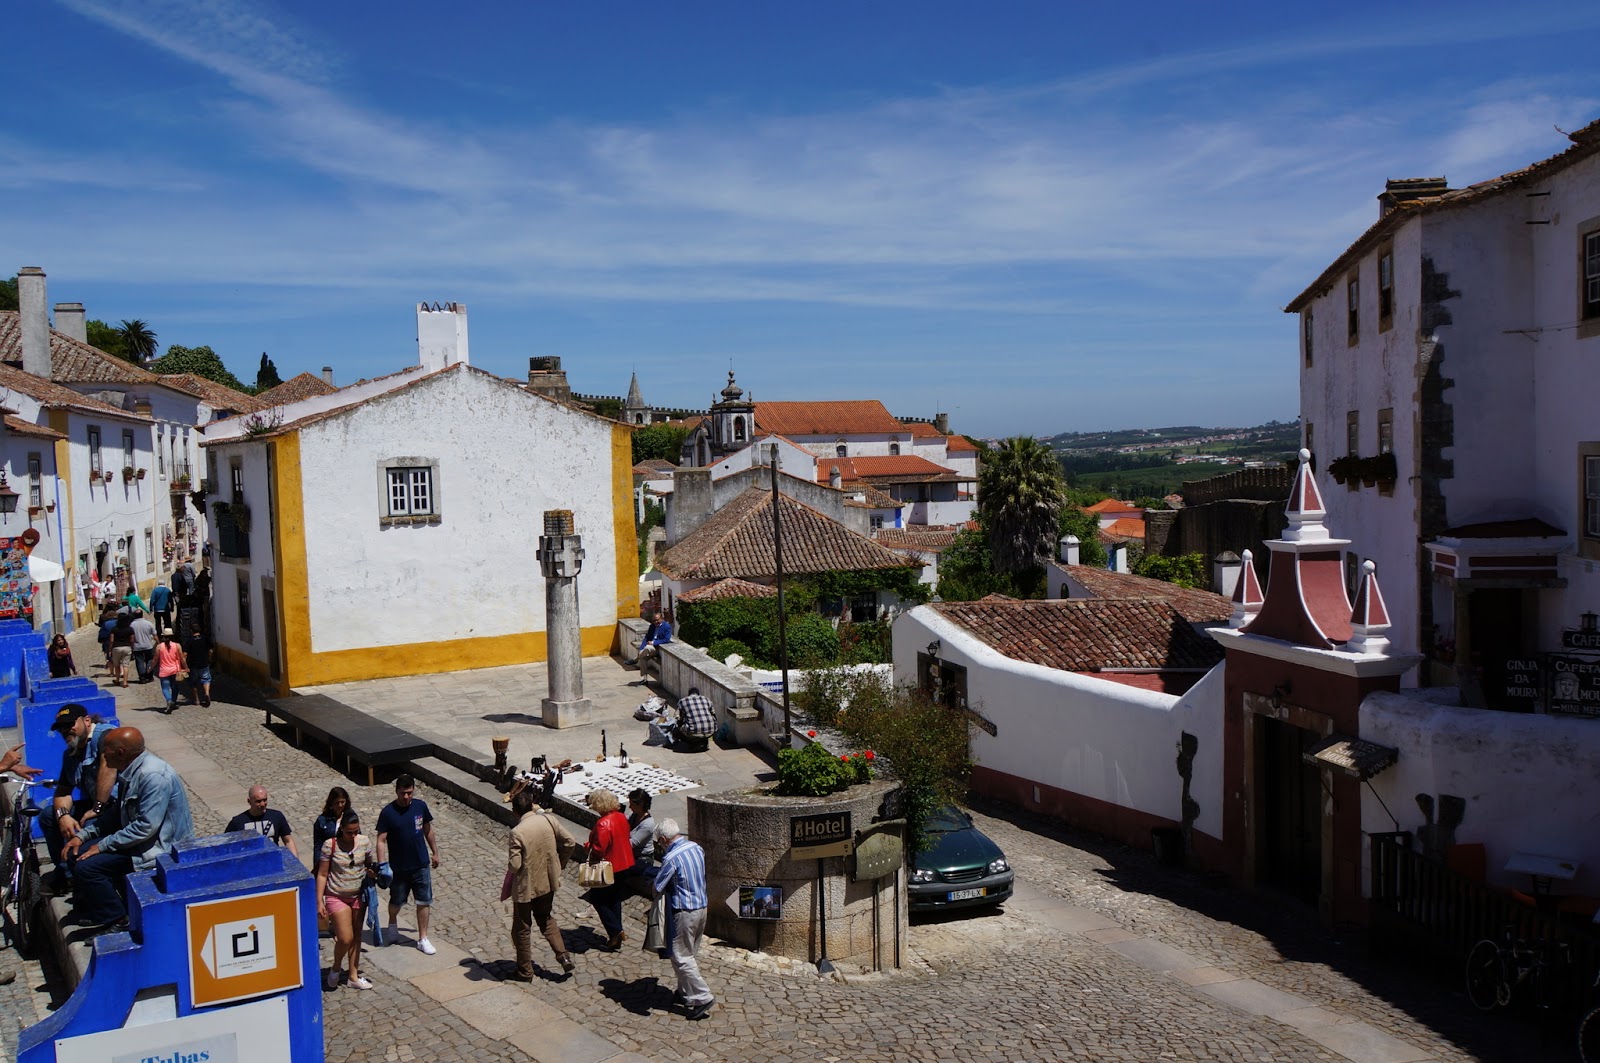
<point x="966" y="895"/>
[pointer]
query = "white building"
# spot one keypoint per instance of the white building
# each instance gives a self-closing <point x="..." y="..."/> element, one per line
<point x="389" y="528"/>
<point x="1457" y="339"/>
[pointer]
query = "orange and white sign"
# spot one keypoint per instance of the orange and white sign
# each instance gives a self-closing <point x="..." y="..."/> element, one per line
<point x="244" y="947"/>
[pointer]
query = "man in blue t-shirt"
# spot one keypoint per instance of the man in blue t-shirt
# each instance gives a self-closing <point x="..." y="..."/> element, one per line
<point x="267" y="822"/>
<point x="406" y="843"/>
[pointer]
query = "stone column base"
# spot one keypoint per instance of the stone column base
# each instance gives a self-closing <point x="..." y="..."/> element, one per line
<point x="566" y="713"/>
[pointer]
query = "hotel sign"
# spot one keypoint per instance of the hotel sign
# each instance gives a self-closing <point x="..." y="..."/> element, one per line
<point x="820" y="835"/>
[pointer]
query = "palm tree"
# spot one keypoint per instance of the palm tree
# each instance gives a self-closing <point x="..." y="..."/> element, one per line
<point x="137" y="340"/>
<point x="1020" y="495"/>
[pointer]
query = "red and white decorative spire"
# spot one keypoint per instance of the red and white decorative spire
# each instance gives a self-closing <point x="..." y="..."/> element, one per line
<point x="1247" y="596"/>
<point x="1369" y="619"/>
<point x="1306" y="602"/>
<point x="1306" y="509"/>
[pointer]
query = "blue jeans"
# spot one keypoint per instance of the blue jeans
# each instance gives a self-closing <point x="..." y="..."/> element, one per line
<point x="169" y="688"/>
<point x="98" y="886"/>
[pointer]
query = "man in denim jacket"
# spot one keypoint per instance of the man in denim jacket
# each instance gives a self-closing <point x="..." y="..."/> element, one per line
<point x="154" y="818"/>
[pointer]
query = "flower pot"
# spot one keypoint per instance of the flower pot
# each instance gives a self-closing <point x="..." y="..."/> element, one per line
<point x="141" y="473"/>
<point x="1369" y="482"/>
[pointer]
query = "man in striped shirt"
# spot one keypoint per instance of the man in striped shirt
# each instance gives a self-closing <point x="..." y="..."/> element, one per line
<point x="682" y="881"/>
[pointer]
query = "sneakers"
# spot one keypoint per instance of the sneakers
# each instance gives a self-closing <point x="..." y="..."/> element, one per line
<point x="330" y="979"/>
<point x="425" y="947"/>
<point x="699" y="1011"/>
<point x="361" y="983"/>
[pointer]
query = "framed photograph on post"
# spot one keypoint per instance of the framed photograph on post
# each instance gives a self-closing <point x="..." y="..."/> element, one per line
<point x="761" y="902"/>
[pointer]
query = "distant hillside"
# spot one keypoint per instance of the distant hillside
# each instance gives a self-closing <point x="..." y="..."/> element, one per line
<point x="1153" y="462"/>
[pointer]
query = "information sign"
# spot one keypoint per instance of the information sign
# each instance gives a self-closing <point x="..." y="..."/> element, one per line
<point x="761" y="902"/>
<point x="879" y="851"/>
<point x="244" y="947"/>
<point x="819" y="835"/>
<point x="249" y="1033"/>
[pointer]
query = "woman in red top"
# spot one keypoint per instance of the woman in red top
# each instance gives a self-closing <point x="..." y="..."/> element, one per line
<point x="170" y="663"/>
<point x="608" y="840"/>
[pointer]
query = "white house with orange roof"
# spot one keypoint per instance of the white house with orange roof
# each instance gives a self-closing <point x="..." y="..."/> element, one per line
<point x="369" y="532"/>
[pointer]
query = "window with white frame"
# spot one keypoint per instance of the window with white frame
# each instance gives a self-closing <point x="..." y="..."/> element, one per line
<point x="1386" y="431"/>
<point x="1591" y="275"/>
<point x="410" y="490"/>
<point x="161" y="451"/>
<point x="127" y="448"/>
<point x="96" y="462"/>
<point x="35" y="480"/>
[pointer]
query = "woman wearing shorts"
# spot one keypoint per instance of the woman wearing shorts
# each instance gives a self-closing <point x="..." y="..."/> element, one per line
<point x="342" y="869"/>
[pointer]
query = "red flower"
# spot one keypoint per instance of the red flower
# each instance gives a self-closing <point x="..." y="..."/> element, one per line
<point x="811" y="734"/>
<point x="846" y="759"/>
<point x="869" y="755"/>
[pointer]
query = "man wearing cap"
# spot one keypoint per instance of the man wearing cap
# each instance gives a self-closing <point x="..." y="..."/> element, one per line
<point x="153" y="816"/>
<point x="82" y="769"/>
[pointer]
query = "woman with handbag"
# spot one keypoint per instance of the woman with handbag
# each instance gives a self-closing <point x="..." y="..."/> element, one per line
<point x="344" y="866"/>
<point x="172" y="667"/>
<point x="610" y="858"/>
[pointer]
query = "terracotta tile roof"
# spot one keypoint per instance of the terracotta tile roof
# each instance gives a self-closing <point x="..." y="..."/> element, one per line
<point x="1526" y="528"/>
<point x="728" y="588"/>
<point x="304" y="386"/>
<point x="220" y="397"/>
<point x="71" y="361"/>
<point x="928" y="539"/>
<point x="872" y="498"/>
<point x="653" y="466"/>
<point x="921" y="429"/>
<point x="886" y="468"/>
<point x="1087" y="634"/>
<point x="17" y="426"/>
<point x="959" y="443"/>
<point x="1197" y="606"/>
<point x="1111" y="505"/>
<point x="49" y="393"/>
<point x="737" y="541"/>
<point x="1585" y="143"/>
<point x="852" y="417"/>
<point x="1124" y="528"/>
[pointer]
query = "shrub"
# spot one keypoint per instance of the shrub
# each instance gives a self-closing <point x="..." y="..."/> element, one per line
<point x="722" y="649"/>
<point x="867" y="643"/>
<point x="812" y="641"/>
<point x="812" y="772"/>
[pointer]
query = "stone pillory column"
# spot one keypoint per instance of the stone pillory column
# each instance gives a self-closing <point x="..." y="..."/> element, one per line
<point x="561" y="558"/>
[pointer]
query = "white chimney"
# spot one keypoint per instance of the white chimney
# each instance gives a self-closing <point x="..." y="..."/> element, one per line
<point x="327" y="375"/>
<point x="441" y="335"/>
<point x="1225" y="568"/>
<point x="35" y="323"/>
<point x="1069" y="549"/>
<point x="835" y="478"/>
<point x="70" y="322"/>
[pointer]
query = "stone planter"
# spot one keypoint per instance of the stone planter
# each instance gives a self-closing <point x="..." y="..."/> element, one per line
<point x="746" y="838"/>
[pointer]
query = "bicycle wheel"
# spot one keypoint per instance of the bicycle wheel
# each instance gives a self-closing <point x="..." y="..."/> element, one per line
<point x="30" y="893"/>
<point x="1486" y="984"/>
<point x="1589" y="1036"/>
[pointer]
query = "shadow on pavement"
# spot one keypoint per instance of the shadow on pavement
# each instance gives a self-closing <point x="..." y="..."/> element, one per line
<point x="1428" y="993"/>
<point x="640" y="996"/>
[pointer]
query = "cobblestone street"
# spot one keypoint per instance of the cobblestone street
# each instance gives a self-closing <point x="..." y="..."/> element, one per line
<point x="1102" y="955"/>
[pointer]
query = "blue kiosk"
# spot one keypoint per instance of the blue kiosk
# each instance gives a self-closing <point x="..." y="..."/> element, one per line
<point x="219" y="964"/>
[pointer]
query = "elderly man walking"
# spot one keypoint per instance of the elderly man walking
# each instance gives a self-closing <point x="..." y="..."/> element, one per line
<point x="540" y="847"/>
<point x="682" y="881"/>
<point x="153" y="816"/>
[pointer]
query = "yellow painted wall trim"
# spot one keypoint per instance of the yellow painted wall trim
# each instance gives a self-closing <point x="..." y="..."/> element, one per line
<point x="243" y="666"/>
<point x="624" y="530"/>
<point x="386" y="662"/>
<point x="289" y="560"/>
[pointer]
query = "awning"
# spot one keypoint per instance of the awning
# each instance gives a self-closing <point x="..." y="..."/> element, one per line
<point x="1352" y="756"/>
<point x="43" y="570"/>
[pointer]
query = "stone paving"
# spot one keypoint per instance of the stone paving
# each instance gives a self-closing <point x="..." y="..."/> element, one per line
<point x="1102" y="955"/>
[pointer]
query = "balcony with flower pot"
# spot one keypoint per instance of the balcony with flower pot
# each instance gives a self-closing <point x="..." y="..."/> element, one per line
<point x="1380" y="471"/>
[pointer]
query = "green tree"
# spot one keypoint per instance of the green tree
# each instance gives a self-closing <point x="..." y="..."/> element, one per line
<point x="8" y="294"/>
<point x="102" y="336"/>
<point x="1083" y="524"/>
<point x="1186" y="570"/>
<point x="138" y="341"/>
<point x="267" y="375"/>
<point x="201" y="361"/>
<point x="663" y="441"/>
<point x="611" y="408"/>
<point x="1020" y="495"/>
<point x="967" y="570"/>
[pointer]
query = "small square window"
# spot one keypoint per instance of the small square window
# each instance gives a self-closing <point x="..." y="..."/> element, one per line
<point x="409" y="491"/>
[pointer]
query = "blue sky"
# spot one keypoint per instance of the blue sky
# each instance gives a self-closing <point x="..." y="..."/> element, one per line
<point x="1039" y="217"/>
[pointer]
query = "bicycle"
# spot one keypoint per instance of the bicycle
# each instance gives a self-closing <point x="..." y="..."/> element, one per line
<point x="20" y="891"/>
<point x="1589" y="1029"/>
<point x="1495" y="972"/>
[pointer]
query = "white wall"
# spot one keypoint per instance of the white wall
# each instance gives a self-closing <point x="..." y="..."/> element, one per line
<point x="504" y="458"/>
<point x="226" y="574"/>
<point x="939" y="512"/>
<point x="1528" y="780"/>
<point x="1093" y="737"/>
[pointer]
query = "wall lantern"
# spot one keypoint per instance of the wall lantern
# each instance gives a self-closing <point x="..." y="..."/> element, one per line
<point x="8" y="497"/>
<point x="1588" y="619"/>
<point x="933" y="648"/>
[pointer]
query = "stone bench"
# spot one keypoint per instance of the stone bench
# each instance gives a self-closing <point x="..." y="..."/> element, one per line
<point x="348" y="732"/>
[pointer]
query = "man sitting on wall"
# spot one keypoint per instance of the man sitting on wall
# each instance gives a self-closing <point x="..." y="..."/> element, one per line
<point x="658" y="634"/>
<point x="153" y="813"/>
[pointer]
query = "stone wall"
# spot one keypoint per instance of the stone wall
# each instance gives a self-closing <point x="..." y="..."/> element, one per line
<point x="746" y="838"/>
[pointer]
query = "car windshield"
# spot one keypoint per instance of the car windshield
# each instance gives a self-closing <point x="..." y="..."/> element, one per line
<point x="946" y="819"/>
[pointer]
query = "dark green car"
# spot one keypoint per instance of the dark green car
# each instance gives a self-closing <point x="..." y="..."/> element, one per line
<point x="961" y="867"/>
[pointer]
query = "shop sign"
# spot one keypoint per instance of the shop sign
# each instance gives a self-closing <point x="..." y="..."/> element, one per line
<point x="1574" y="686"/>
<point x="820" y="835"/>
